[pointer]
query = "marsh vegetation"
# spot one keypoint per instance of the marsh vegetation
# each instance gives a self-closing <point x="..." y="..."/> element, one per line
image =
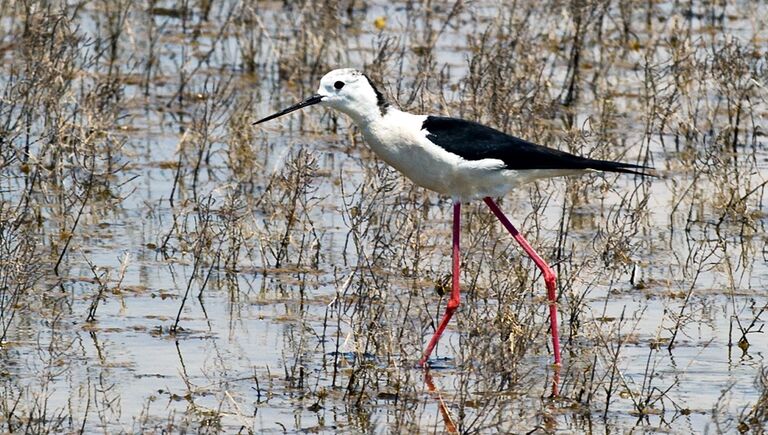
<point x="166" y="266"/>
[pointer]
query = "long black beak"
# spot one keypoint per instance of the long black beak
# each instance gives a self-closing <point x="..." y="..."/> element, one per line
<point x="314" y="99"/>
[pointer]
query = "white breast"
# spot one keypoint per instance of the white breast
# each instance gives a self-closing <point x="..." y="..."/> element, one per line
<point x="398" y="139"/>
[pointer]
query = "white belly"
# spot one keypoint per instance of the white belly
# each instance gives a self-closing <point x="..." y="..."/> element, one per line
<point x="401" y="143"/>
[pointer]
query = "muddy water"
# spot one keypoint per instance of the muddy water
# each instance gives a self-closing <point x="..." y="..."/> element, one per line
<point x="324" y="337"/>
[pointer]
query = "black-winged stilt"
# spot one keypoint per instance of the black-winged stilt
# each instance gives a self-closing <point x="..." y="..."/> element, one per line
<point x="455" y="157"/>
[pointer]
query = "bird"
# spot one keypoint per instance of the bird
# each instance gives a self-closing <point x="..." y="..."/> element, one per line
<point x="462" y="159"/>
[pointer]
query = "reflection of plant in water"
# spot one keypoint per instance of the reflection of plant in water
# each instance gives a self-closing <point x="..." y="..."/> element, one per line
<point x="290" y="235"/>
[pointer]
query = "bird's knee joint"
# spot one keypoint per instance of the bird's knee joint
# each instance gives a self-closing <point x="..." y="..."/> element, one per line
<point x="550" y="278"/>
<point x="453" y="304"/>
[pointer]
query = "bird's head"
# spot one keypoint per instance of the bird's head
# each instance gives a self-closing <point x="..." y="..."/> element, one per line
<point x="347" y="90"/>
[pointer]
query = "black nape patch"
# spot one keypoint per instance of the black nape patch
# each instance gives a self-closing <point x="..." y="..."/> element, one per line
<point x="380" y="101"/>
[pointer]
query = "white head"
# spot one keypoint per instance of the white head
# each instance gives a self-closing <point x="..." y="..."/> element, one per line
<point x="347" y="90"/>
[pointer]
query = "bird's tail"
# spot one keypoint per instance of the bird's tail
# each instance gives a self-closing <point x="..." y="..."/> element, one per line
<point x="625" y="168"/>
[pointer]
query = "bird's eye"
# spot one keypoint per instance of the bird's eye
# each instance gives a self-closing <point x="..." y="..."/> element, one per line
<point x="338" y="85"/>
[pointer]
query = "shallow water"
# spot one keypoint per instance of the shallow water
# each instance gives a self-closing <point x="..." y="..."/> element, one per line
<point x="317" y="324"/>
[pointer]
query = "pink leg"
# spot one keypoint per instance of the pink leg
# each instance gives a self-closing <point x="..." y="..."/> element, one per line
<point x="549" y="276"/>
<point x="453" y="302"/>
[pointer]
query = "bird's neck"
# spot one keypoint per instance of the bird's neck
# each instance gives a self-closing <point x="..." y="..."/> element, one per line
<point x="366" y="112"/>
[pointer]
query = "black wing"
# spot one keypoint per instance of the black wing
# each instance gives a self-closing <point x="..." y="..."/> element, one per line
<point x="473" y="141"/>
